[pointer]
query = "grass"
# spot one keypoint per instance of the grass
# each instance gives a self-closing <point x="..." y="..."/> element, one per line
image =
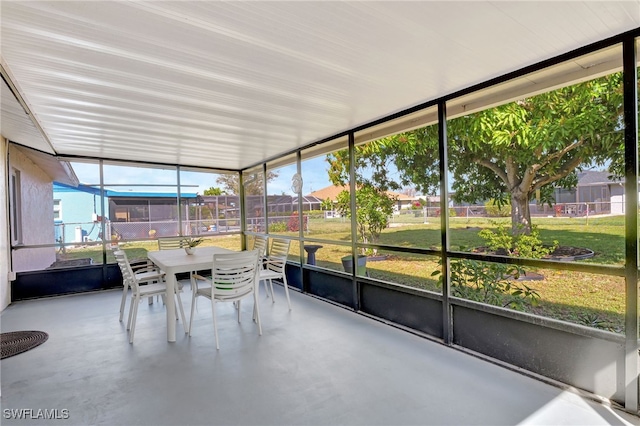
<point x="588" y="299"/>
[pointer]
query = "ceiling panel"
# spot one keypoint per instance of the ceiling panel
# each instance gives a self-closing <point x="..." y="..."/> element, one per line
<point x="230" y="84"/>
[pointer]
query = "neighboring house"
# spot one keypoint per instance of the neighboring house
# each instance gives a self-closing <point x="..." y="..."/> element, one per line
<point x="128" y="215"/>
<point x="309" y="202"/>
<point x="595" y="188"/>
<point x="149" y="214"/>
<point x="76" y="213"/>
<point x="403" y="201"/>
<point x="285" y="204"/>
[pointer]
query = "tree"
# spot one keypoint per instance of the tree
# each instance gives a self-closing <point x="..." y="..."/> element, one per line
<point x="373" y="209"/>
<point x="213" y="191"/>
<point x="326" y="204"/>
<point x="513" y="151"/>
<point x="374" y="205"/>
<point x="253" y="184"/>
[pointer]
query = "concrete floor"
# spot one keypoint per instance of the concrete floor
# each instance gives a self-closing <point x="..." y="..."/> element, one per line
<point x="316" y="365"/>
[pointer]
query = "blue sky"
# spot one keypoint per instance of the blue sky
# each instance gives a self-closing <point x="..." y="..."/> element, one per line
<point x="314" y="175"/>
<point x="314" y="178"/>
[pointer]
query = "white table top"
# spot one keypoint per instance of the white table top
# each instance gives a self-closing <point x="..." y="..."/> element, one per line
<point x="177" y="260"/>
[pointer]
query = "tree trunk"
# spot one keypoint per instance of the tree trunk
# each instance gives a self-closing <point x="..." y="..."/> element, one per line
<point x="520" y="213"/>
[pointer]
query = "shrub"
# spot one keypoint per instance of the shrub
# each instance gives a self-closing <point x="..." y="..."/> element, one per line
<point x="294" y="222"/>
<point x="518" y="245"/>
<point x="495" y="209"/>
<point x="491" y="283"/>
<point x="275" y="227"/>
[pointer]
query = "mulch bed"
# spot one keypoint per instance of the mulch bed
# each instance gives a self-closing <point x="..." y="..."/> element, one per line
<point x="562" y="253"/>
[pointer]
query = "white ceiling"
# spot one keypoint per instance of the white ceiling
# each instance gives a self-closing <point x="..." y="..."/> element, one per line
<point x="230" y="84"/>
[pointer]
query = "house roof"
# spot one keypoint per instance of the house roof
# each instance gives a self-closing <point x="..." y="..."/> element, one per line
<point x="331" y="193"/>
<point x="230" y="85"/>
<point x="595" y="177"/>
<point x="61" y="187"/>
<point x="57" y="170"/>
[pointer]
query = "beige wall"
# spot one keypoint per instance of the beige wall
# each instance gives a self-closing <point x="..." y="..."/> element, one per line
<point x="37" y="214"/>
<point x="5" y="287"/>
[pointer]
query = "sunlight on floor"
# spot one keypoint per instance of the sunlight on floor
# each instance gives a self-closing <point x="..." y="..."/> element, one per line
<point x="582" y="414"/>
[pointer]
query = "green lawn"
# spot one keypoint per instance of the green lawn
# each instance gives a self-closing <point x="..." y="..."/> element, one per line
<point x="593" y="300"/>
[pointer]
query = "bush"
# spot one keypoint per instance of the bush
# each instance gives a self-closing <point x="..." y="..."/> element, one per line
<point x="276" y="227"/>
<point x="294" y="222"/>
<point x="518" y="245"/>
<point x="491" y="283"/>
<point x="495" y="210"/>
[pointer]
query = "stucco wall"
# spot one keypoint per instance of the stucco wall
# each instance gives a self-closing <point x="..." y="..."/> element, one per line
<point x="5" y="287"/>
<point x="37" y="214"/>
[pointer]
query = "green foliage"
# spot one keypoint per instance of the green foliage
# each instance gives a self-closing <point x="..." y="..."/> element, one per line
<point x="495" y="283"/>
<point x="278" y="227"/>
<point x="213" y="191"/>
<point x="192" y="242"/>
<point x="253" y="183"/>
<point x="374" y="206"/>
<point x="592" y="320"/>
<point x="517" y="244"/>
<point x="326" y="204"/>
<point x="496" y="209"/>
<point x="373" y="209"/>
<point x="511" y="151"/>
<point x="490" y="283"/>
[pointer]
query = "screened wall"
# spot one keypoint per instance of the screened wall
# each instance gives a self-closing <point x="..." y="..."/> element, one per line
<point x="450" y="219"/>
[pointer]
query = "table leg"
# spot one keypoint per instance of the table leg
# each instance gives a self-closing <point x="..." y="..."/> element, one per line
<point x="171" y="307"/>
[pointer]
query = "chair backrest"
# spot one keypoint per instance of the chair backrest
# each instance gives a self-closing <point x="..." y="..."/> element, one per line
<point x="260" y="244"/>
<point x="278" y="254"/>
<point x="170" y="243"/>
<point x="279" y="247"/>
<point x="128" y="277"/>
<point x="234" y="274"/>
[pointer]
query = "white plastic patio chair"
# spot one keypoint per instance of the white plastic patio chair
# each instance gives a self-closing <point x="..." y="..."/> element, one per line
<point x="275" y="265"/>
<point x="135" y="281"/>
<point x="146" y="271"/>
<point x="170" y="243"/>
<point x="260" y="243"/>
<point x="235" y="277"/>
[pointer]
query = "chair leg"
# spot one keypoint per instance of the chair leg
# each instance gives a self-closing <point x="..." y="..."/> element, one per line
<point x="273" y="299"/>
<point x="133" y="324"/>
<point x="286" y="289"/>
<point x="256" y="309"/>
<point x="238" y="302"/>
<point x="267" y="291"/>
<point x="193" y="304"/>
<point x="131" y="306"/>
<point x="125" y="293"/>
<point x="215" y="323"/>
<point x="191" y="317"/>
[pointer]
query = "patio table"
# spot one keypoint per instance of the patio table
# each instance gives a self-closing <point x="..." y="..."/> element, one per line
<point x="173" y="262"/>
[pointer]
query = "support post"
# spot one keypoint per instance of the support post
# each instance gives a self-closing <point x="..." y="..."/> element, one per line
<point x="630" y="89"/>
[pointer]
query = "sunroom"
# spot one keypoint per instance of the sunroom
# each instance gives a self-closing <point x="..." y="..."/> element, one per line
<point x="440" y="134"/>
